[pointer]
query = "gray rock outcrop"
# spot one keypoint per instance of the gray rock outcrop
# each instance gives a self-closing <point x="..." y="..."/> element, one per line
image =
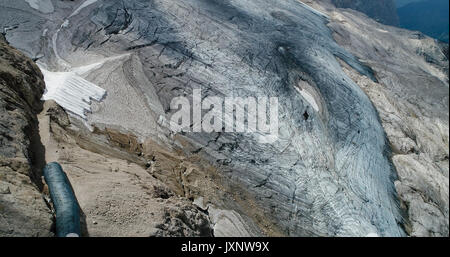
<point x="23" y="211"/>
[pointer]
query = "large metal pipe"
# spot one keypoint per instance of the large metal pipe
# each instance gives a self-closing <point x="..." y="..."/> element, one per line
<point x="64" y="201"/>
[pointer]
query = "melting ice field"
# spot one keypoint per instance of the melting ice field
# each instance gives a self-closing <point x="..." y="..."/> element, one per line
<point x="71" y="91"/>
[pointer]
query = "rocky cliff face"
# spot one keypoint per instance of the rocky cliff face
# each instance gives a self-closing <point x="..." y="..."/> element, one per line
<point x="383" y="11"/>
<point x="348" y="135"/>
<point x="23" y="211"/>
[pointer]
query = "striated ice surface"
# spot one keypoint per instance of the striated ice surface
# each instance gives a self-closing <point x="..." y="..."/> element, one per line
<point x="71" y="91"/>
<point x="82" y="6"/>
<point x="44" y="6"/>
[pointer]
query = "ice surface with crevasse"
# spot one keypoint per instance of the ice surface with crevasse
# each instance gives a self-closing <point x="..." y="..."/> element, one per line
<point x="71" y="91"/>
<point x="67" y="88"/>
<point x="44" y="6"/>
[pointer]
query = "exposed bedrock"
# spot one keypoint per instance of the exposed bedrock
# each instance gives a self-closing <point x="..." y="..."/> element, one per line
<point x="23" y="211"/>
<point x="329" y="173"/>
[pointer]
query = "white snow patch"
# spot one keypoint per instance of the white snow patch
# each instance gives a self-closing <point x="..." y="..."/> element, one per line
<point x="82" y="6"/>
<point x="71" y="91"/>
<point x="309" y="98"/>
